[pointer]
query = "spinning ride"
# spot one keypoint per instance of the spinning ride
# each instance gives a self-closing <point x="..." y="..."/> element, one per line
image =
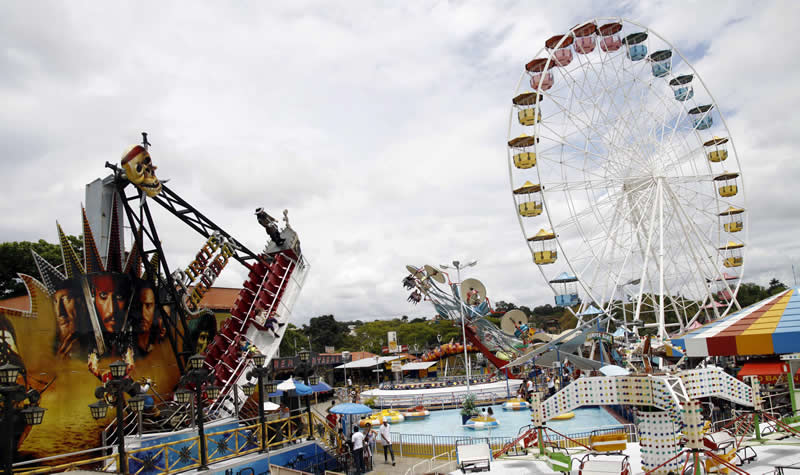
<point x="472" y="305"/>
<point x="625" y="178"/>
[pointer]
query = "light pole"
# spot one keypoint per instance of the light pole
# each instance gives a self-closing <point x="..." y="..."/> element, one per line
<point x="305" y="359"/>
<point x="115" y="389"/>
<point x="457" y="266"/>
<point x="198" y="376"/>
<point x="259" y="371"/>
<point x="13" y="393"/>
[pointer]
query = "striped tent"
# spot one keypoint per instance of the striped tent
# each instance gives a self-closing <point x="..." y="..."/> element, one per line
<point x="769" y="327"/>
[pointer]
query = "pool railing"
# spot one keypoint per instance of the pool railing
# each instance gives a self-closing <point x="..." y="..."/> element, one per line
<point x="441" y="402"/>
<point x="428" y="446"/>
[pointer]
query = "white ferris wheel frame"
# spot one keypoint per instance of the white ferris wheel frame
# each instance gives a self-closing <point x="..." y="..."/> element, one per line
<point x="713" y="260"/>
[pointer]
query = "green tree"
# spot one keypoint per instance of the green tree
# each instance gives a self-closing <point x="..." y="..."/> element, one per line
<point x="776" y="286"/>
<point x="325" y="331"/>
<point x="16" y="258"/>
<point x="293" y="341"/>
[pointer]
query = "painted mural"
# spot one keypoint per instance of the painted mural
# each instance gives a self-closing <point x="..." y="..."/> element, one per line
<point x="87" y="313"/>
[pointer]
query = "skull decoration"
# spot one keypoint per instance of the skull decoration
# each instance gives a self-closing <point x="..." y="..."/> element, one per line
<point x="140" y="170"/>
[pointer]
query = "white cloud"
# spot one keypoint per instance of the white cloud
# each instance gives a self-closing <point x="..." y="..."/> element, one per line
<point x="380" y="127"/>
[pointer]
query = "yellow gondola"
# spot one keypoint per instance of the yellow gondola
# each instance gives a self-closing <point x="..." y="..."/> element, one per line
<point x="524" y="158"/>
<point x="527" y="113"/>
<point x="545" y="252"/>
<point x="526" y="201"/>
<point x="734" y="217"/>
<point x="716" y="150"/>
<point x="728" y="181"/>
<point x="733" y="254"/>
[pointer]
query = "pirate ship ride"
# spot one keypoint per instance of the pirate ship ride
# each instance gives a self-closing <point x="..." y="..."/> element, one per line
<point x="132" y="304"/>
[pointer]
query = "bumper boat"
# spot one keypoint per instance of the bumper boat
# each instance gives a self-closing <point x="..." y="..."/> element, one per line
<point x="389" y="415"/>
<point x="416" y="413"/>
<point x="563" y="417"/>
<point x="481" y="423"/>
<point x="515" y="404"/>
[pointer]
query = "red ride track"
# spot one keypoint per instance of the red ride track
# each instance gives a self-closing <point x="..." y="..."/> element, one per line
<point x="497" y="362"/>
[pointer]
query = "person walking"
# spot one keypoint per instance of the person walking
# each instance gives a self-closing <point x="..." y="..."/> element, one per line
<point x="369" y="446"/>
<point x="551" y="387"/>
<point x="358" y="450"/>
<point x="386" y="441"/>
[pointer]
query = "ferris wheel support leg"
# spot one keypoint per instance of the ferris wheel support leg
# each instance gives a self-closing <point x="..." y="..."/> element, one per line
<point x="644" y="267"/>
<point x="714" y="270"/>
<point x="662" y="331"/>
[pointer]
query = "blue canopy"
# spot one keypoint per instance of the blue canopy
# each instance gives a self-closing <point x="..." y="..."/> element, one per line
<point x="592" y="310"/>
<point x="351" y="408"/>
<point x="321" y="387"/>
<point x="301" y="389"/>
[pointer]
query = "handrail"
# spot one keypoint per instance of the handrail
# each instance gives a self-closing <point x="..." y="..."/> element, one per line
<point x="431" y="468"/>
<point x="328" y="432"/>
<point x="54" y="457"/>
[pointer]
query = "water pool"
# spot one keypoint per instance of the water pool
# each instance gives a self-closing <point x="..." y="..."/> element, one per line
<point x="448" y="422"/>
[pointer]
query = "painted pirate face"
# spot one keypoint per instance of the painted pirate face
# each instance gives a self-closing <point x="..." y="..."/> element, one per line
<point x="140" y="170"/>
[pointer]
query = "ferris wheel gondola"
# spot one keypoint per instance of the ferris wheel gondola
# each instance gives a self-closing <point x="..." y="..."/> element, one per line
<point x="615" y="153"/>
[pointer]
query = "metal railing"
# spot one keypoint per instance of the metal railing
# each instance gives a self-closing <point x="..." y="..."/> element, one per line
<point x="450" y="464"/>
<point x="424" y="445"/>
<point x="180" y="455"/>
<point x="443" y="401"/>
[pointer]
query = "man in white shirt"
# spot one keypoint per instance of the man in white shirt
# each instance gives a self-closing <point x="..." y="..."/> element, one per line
<point x="530" y="387"/>
<point x="386" y="440"/>
<point x="358" y="450"/>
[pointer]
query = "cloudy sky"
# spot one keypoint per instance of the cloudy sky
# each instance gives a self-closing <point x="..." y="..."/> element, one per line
<point x="381" y="126"/>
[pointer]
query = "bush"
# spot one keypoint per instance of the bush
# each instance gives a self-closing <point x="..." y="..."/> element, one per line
<point x="370" y="401"/>
<point x="468" y="406"/>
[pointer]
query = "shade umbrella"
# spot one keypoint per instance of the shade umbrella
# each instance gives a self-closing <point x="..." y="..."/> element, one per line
<point x="349" y="411"/>
<point x="287" y="385"/>
<point x="614" y="370"/>
<point x="301" y="389"/>
<point x="321" y="387"/>
<point x="270" y="406"/>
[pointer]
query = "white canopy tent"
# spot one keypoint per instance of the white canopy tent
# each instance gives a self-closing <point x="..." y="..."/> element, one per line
<point x="417" y="365"/>
<point x="367" y="362"/>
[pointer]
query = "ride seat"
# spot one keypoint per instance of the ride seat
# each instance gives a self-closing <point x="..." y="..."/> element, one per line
<point x="728" y="190"/>
<point x="717" y="156"/>
<point x="545" y="257"/>
<point x="547" y="82"/>
<point x="684" y="93"/>
<point x="733" y="227"/>
<point x="529" y="116"/>
<point x="610" y="43"/>
<point x="525" y="159"/>
<point x="584" y="44"/>
<point x="563" y="56"/>
<point x="733" y="262"/>
<point x="637" y="52"/>
<point x="530" y="208"/>
<point x="703" y="123"/>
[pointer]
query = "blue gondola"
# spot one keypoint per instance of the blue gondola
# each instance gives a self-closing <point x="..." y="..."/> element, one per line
<point x="634" y="43"/>
<point x="682" y="87"/>
<point x="661" y="62"/>
<point x="701" y="117"/>
<point x="568" y="295"/>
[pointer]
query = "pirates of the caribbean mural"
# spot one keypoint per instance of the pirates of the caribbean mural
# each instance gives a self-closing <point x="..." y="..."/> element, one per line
<point x="124" y="304"/>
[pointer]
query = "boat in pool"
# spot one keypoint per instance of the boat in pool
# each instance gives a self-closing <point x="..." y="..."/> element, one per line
<point x="481" y="423"/>
<point x="515" y="404"/>
<point x="389" y="415"/>
<point x="416" y="413"/>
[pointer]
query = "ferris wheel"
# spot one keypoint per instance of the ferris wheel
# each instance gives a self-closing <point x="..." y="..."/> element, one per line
<point x="625" y="179"/>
